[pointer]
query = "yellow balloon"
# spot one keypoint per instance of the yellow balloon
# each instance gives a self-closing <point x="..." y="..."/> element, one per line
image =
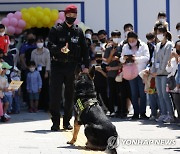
<point x="33" y="21"/>
<point x="28" y="26"/>
<point x="26" y="16"/>
<point x="54" y="16"/>
<point x="23" y="10"/>
<point x="39" y="25"/>
<point x="47" y="11"/>
<point x="46" y="20"/>
<point x="32" y="11"/>
<point x="55" y="10"/>
<point x="39" y="8"/>
<point x="51" y="24"/>
<point x="39" y="15"/>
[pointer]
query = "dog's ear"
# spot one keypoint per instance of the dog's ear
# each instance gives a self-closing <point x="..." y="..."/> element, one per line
<point x="92" y="72"/>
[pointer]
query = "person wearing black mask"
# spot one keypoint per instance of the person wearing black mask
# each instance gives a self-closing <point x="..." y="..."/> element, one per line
<point x="102" y="35"/>
<point x="68" y="49"/>
<point x="25" y="57"/>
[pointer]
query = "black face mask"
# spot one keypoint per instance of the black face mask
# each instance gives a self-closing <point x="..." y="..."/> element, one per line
<point x="31" y="41"/>
<point x="178" y="52"/>
<point x="70" y="20"/>
<point x="95" y="41"/>
<point x="98" y="61"/>
<point x="103" y="40"/>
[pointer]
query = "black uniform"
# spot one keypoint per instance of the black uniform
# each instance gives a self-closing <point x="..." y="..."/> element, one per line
<point x="63" y="67"/>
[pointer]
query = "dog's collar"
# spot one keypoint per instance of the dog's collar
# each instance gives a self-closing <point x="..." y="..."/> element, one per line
<point x="79" y="106"/>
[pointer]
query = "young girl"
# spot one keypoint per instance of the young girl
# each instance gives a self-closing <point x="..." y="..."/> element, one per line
<point x="34" y="85"/>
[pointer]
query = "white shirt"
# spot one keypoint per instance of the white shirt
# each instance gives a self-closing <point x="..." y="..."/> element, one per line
<point x="141" y="55"/>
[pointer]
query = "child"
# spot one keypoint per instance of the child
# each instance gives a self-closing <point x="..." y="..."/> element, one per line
<point x="15" y="75"/>
<point x="4" y="88"/>
<point x="34" y="85"/>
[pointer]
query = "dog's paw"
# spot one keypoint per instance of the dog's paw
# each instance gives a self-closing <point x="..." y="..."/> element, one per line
<point x="71" y="142"/>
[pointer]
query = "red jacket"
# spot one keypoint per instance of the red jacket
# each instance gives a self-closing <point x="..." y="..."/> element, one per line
<point x="4" y="43"/>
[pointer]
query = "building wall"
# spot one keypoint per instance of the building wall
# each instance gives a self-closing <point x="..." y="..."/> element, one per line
<point x="110" y="14"/>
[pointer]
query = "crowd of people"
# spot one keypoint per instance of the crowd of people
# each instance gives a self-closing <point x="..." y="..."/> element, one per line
<point x="127" y="72"/>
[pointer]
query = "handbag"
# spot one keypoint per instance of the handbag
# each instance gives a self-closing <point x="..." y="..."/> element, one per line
<point x="130" y="71"/>
<point x="171" y="82"/>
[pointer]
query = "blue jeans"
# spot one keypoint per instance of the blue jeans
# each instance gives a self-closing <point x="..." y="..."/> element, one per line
<point x="137" y="90"/>
<point x="16" y="103"/>
<point x="154" y="104"/>
<point x="164" y="97"/>
<point x="9" y="99"/>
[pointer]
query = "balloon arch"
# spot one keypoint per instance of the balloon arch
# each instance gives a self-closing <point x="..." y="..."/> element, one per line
<point x="34" y="17"/>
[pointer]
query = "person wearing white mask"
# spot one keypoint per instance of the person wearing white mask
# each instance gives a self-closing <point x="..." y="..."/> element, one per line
<point x="41" y="57"/>
<point x="161" y="18"/>
<point x="158" y="70"/>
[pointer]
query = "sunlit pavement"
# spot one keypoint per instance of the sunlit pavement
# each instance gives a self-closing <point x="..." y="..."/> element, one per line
<point x="29" y="133"/>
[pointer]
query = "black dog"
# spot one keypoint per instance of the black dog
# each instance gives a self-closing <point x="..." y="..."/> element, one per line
<point x="99" y="130"/>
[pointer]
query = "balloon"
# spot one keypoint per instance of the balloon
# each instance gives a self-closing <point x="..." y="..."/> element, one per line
<point x="59" y="21"/>
<point x="18" y="30"/>
<point x="39" y="25"/>
<point x="10" y="15"/>
<point x="26" y="16"/>
<point x="23" y="10"/>
<point x="54" y="16"/>
<point x="21" y="23"/>
<point x="55" y="10"/>
<point x="46" y="20"/>
<point x="18" y="15"/>
<point x="33" y="21"/>
<point x="5" y="21"/>
<point x="47" y="11"/>
<point x="13" y="22"/>
<point x="32" y="11"/>
<point x="62" y="16"/>
<point x="39" y="15"/>
<point x="10" y="29"/>
<point x="39" y="8"/>
<point x="28" y="26"/>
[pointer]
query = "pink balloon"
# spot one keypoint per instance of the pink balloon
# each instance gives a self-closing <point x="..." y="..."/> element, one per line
<point x="76" y="22"/>
<point x="10" y="29"/>
<point x="10" y="15"/>
<point x="21" y="23"/>
<point x="59" y="21"/>
<point x="13" y="22"/>
<point x="5" y="21"/>
<point x="18" y="30"/>
<point x="61" y="16"/>
<point x="18" y="15"/>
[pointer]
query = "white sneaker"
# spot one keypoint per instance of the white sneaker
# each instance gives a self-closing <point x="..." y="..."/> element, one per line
<point x="168" y="119"/>
<point x="161" y="118"/>
<point x="7" y="116"/>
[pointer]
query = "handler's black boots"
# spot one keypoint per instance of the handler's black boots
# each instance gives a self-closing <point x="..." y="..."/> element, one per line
<point x="56" y="124"/>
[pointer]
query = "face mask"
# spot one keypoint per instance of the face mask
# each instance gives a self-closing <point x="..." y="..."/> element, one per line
<point x="116" y="40"/>
<point x="178" y="32"/>
<point x="32" y="69"/>
<point x="12" y="43"/>
<point x="95" y="41"/>
<point x="40" y="45"/>
<point x="98" y="61"/>
<point x="7" y="72"/>
<point x="31" y="41"/>
<point x="133" y="44"/>
<point x="125" y="34"/>
<point x="2" y="34"/>
<point x="46" y="43"/>
<point x="70" y="20"/>
<point x="103" y="40"/>
<point x="160" y="37"/>
<point x="162" y="20"/>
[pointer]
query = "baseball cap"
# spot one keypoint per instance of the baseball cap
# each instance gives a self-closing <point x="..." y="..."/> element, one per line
<point x="6" y="65"/>
<point x="70" y="9"/>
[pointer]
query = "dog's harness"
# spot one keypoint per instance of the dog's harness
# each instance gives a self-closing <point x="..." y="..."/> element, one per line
<point x="79" y="106"/>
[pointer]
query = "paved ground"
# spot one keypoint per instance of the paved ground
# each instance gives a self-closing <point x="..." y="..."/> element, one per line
<point x="29" y="133"/>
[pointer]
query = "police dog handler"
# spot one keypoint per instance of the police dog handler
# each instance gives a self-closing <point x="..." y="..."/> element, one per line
<point x="68" y="48"/>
